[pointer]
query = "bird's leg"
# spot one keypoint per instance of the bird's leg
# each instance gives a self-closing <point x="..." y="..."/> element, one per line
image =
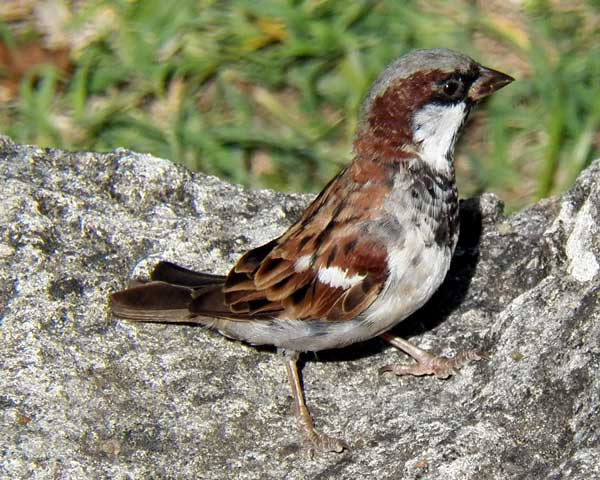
<point x="427" y="364"/>
<point x="313" y="439"/>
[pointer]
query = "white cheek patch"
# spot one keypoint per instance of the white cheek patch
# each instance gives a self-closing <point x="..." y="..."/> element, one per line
<point x="336" y="277"/>
<point x="436" y="127"/>
<point x="303" y="263"/>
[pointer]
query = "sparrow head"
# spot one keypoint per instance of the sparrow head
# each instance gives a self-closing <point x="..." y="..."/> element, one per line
<point x="420" y="102"/>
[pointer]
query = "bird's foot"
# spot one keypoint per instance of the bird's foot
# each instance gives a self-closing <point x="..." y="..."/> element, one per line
<point x="427" y="364"/>
<point x="313" y="440"/>
<point x="319" y="442"/>
<point x="432" y="365"/>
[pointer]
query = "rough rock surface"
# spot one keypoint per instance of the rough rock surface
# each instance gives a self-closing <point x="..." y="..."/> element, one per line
<point x="84" y="395"/>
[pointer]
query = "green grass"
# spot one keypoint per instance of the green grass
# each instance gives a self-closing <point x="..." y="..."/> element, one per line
<point x="266" y="93"/>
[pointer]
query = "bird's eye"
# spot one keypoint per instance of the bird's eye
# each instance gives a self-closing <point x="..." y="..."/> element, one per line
<point x="452" y="89"/>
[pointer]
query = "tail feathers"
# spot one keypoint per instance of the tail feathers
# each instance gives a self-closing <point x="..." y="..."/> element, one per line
<point x="178" y="295"/>
<point x="153" y="302"/>
<point x="171" y="273"/>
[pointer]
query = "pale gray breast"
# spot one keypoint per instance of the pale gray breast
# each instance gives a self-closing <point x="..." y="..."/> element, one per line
<point x="423" y="200"/>
<point x="421" y="226"/>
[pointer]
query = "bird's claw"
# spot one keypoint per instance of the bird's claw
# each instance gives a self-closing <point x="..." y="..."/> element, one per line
<point x="431" y="365"/>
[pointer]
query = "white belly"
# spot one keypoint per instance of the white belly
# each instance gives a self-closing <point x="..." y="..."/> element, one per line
<point x="416" y="278"/>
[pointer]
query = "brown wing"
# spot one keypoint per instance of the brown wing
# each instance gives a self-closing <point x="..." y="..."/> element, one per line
<point x="326" y="266"/>
<point x="338" y="284"/>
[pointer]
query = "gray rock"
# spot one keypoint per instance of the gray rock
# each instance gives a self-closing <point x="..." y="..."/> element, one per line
<point x="84" y="395"/>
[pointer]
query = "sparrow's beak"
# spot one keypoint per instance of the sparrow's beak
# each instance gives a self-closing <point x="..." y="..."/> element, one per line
<point x="488" y="82"/>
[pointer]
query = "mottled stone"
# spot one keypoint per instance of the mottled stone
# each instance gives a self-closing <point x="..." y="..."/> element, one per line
<point x="84" y="395"/>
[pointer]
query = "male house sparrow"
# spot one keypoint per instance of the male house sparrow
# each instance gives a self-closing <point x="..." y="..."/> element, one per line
<point x="371" y="249"/>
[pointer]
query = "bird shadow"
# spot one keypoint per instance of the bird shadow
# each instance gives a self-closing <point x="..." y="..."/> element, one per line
<point x="447" y="298"/>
